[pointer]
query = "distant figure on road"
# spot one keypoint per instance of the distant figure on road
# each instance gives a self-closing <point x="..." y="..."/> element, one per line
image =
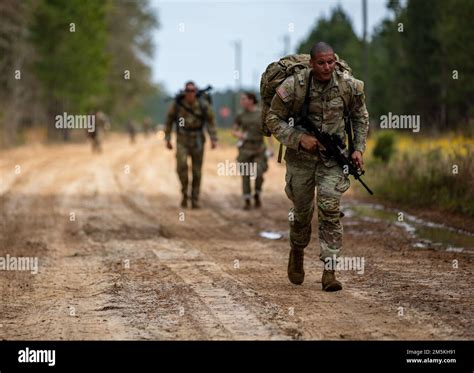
<point x="147" y="126"/>
<point x="247" y="128"/>
<point x="191" y="113"/>
<point x="102" y="124"/>
<point x="131" y="129"/>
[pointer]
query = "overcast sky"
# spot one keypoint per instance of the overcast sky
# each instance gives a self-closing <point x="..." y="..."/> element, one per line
<point x="195" y="39"/>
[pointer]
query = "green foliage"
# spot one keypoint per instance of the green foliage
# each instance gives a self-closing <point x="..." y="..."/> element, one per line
<point x="384" y="146"/>
<point x="426" y="179"/>
<point x="414" y="55"/>
<point x="130" y="46"/>
<point x="71" y="65"/>
<point x="420" y="59"/>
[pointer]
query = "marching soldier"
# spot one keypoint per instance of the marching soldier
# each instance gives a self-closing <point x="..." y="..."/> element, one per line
<point x="191" y="115"/>
<point x="252" y="150"/>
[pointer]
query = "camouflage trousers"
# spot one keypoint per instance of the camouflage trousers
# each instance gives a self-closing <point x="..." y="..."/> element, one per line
<point x="303" y="176"/>
<point x="96" y="140"/>
<point x="249" y="155"/>
<point x="190" y="148"/>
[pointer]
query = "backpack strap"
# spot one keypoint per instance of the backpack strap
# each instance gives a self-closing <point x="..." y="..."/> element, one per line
<point x="347" y="119"/>
<point x="202" y="117"/>
<point x="305" y="108"/>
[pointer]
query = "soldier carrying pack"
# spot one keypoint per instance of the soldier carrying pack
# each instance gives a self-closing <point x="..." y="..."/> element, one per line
<point x="278" y="71"/>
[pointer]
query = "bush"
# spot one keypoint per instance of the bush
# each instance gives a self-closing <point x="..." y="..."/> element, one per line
<point x="432" y="178"/>
<point x="384" y="146"/>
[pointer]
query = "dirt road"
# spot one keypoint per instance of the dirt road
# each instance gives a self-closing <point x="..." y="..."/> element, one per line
<point x="118" y="258"/>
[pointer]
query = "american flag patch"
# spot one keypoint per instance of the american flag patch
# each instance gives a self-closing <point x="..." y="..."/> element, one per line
<point x="281" y="91"/>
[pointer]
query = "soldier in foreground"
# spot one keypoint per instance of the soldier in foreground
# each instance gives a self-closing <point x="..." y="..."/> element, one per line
<point x="251" y="145"/>
<point x="307" y="168"/>
<point x="191" y="114"/>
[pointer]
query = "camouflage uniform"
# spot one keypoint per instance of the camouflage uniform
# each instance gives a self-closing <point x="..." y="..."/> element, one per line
<point x="190" y="140"/>
<point x="306" y="171"/>
<point x="147" y="126"/>
<point x="252" y="149"/>
<point x="131" y="129"/>
<point x="101" y="125"/>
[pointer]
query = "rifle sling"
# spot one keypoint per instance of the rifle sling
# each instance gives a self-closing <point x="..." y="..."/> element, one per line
<point x="347" y="119"/>
<point x="191" y="111"/>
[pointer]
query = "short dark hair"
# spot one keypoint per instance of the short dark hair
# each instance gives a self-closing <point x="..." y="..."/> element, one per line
<point x="251" y="96"/>
<point x="320" y="47"/>
<point x="189" y="82"/>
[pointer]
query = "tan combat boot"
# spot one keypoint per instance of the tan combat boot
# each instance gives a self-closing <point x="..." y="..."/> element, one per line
<point x="329" y="281"/>
<point x="296" y="266"/>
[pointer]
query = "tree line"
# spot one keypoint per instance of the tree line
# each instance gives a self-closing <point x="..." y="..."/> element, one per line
<point x="75" y="56"/>
<point x="419" y="60"/>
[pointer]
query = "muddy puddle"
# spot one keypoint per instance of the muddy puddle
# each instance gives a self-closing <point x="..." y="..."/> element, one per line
<point x="425" y="234"/>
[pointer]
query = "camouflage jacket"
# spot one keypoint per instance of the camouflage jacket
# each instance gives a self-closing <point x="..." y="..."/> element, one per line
<point x="190" y="119"/>
<point x="250" y="123"/>
<point x="326" y="110"/>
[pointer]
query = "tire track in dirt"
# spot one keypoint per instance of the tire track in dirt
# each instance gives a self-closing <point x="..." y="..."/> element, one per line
<point x="239" y="323"/>
<point x="182" y="281"/>
<point x="199" y="274"/>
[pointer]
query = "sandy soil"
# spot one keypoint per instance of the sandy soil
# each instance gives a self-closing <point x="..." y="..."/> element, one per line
<point x="133" y="265"/>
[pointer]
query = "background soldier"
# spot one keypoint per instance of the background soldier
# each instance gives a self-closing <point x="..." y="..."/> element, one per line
<point x="131" y="129"/>
<point x="102" y="124"/>
<point x="248" y="129"/>
<point x="190" y="113"/>
<point x="147" y="126"/>
<point x="307" y="168"/>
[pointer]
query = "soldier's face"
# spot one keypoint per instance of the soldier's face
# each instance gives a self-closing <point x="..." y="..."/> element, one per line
<point x="323" y="65"/>
<point x="245" y="102"/>
<point x="190" y="93"/>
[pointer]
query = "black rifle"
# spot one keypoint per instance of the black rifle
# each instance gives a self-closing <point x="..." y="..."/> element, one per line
<point x="334" y="146"/>
<point x="200" y="94"/>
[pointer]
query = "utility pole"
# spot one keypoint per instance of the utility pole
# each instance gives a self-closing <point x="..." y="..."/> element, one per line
<point x="237" y="73"/>
<point x="366" y="46"/>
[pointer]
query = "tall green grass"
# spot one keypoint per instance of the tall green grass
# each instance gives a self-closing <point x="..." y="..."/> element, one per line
<point x="433" y="177"/>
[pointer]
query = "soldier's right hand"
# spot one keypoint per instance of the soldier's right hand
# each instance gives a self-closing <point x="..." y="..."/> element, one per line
<point x="168" y="145"/>
<point x="310" y="143"/>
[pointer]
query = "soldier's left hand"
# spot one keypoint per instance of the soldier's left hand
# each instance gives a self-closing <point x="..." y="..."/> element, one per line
<point x="357" y="159"/>
<point x="213" y="144"/>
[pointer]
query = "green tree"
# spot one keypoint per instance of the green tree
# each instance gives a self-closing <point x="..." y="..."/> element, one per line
<point x="70" y="39"/>
<point x="130" y="47"/>
<point x="423" y="56"/>
<point x="456" y="36"/>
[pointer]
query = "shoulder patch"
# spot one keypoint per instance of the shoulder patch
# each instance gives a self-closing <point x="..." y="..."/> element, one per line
<point x="284" y="95"/>
<point x="286" y="89"/>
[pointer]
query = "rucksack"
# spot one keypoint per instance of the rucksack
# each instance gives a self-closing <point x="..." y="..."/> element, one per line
<point x="278" y="71"/>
